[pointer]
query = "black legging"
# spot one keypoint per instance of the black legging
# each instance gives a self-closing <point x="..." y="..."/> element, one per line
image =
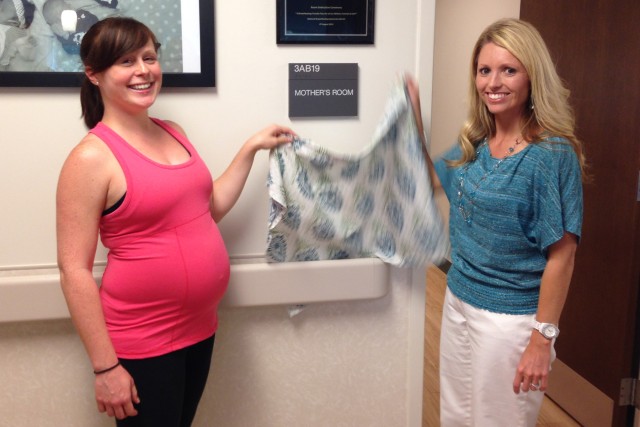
<point x="169" y="386"/>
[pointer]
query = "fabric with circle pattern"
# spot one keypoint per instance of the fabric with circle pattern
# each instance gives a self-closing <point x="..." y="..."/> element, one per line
<point x="378" y="203"/>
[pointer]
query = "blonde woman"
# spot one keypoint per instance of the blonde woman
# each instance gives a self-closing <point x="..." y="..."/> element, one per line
<point x="514" y="183"/>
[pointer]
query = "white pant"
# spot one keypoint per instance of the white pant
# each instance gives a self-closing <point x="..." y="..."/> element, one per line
<point x="479" y="355"/>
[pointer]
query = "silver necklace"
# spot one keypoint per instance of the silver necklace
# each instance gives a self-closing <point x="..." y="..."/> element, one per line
<point x="466" y="199"/>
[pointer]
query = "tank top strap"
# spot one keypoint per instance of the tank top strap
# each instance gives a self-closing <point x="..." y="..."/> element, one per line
<point x="177" y="135"/>
<point x="115" y="143"/>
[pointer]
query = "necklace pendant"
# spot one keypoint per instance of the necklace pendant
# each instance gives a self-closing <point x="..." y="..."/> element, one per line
<point x="466" y="212"/>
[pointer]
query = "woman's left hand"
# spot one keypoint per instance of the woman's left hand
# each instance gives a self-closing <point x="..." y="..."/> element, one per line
<point x="532" y="373"/>
<point x="271" y="137"/>
<point x="535" y="362"/>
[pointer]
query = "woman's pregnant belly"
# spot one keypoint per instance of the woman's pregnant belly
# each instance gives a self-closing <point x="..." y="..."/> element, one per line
<point x="161" y="292"/>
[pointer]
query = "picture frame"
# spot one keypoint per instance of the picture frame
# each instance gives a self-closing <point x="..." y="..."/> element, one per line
<point x="324" y="22"/>
<point x="187" y="52"/>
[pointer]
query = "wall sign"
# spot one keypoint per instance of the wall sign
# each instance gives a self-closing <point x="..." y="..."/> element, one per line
<point x="323" y="90"/>
<point x="325" y="22"/>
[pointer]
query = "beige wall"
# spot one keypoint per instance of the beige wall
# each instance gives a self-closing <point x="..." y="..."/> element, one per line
<point x="457" y="27"/>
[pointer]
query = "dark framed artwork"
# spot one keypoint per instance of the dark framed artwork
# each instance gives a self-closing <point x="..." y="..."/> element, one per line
<point x="37" y="51"/>
<point x="325" y="21"/>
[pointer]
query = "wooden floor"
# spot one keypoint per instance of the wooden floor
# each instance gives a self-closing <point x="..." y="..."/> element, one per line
<point x="550" y="414"/>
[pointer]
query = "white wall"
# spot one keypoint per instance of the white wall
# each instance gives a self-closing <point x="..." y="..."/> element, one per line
<point x="458" y="23"/>
<point x="355" y="363"/>
<point x="337" y="364"/>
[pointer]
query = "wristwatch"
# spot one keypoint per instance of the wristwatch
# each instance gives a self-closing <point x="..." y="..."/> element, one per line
<point x="548" y="330"/>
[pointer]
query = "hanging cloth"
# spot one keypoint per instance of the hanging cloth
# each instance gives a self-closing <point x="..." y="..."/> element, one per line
<point x="378" y="203"/>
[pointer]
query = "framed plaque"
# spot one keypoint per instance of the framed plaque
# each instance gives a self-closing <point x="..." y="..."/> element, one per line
<point x="37" y="50"/>
<point x="325" y="21"/>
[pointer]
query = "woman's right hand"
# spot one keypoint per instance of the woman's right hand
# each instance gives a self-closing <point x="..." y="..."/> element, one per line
<point x="116" y="393"/>
<point x="414" y="96"/>
<point x="270" y="137"/>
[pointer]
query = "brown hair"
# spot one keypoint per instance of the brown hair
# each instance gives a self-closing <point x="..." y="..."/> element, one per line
<point x="104" y="43"/>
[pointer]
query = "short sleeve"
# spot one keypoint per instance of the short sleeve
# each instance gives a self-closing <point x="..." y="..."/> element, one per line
<point x="445" y="172"/>
<point x="559" y="198"/>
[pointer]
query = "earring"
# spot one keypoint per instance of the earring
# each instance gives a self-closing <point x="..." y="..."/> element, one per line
<point x="95" y="82"/>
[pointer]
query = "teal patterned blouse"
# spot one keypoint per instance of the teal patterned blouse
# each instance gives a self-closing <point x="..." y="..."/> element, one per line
<point x="504" y="215"/>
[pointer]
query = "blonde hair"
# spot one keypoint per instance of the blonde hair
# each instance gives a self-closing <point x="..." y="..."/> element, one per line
<point x="548" y="112"/>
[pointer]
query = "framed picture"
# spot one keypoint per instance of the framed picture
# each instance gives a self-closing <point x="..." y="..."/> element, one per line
<point x="325" y="22"/>
<point x="40" y="39"/>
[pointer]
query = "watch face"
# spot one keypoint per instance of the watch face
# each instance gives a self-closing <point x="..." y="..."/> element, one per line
<point x="549" y="331"/>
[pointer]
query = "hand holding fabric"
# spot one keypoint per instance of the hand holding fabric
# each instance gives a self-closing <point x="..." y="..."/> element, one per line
<point x="270" y="137"/>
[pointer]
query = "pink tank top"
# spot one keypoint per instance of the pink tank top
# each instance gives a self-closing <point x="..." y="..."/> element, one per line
<point x="167" y="266"/>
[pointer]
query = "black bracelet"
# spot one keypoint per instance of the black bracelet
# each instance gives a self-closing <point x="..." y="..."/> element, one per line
<point x="102" y="371"/>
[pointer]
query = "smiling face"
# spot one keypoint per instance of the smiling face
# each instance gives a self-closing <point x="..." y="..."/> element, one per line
<point x="502" y="82"/>
<point x="133" y="82"/>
